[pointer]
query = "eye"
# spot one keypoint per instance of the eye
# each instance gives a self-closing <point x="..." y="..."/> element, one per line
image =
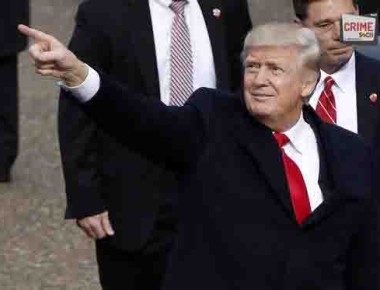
<point x="277" y="70"/>
<point x="324" y="25"/>
<point x="252" y="66"/>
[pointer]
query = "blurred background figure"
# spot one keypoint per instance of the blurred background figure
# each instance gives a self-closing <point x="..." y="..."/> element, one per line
<point x="12" y="13"/>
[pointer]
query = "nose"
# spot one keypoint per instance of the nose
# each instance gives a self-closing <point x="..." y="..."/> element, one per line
<point x="336" y="30"/>
<point x="261" y="77"/>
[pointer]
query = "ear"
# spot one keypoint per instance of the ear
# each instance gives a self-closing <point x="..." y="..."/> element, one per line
<point x="310" y="79"/>
<point x="297" y="21"/>
<point x="357" y="11"/>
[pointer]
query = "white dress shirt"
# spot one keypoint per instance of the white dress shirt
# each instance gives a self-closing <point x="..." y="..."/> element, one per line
<point x="86" y="90"/>
<point x="303" y="150"/>
<point x="203" y="61"/>
<point x="344" y="91"/>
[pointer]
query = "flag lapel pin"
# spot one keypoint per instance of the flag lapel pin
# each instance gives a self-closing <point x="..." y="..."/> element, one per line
<point x="216" y="12"/>
<point x="373" y="97"/>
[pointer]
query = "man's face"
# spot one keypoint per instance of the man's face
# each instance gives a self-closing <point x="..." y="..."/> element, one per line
<point x="323" y="17"/>
<point x="273" y="86"/>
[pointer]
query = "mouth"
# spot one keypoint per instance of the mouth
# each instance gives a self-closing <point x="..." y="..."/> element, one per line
<point x="261" y="96"/>
<point x="340" y="50"/>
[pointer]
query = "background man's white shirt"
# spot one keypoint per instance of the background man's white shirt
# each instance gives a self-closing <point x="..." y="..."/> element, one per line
<point x="344" y="91"/>
<point x="203" y="61"/>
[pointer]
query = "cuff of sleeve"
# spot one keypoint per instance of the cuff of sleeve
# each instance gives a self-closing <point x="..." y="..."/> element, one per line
<point x="86" y="90"/>
<point x="83" y="203"/>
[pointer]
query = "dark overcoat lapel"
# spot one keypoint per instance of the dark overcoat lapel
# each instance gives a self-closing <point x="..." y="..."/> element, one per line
<point x="257" y="140"/>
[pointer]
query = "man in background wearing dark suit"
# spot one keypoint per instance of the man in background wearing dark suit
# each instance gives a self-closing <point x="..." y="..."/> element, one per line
<point x="370" y="8"/>
<point x="113" y="189"/>
<point x="271" y="197"/>
<point x="350" y="79"/>
<point x="12" y="12"/>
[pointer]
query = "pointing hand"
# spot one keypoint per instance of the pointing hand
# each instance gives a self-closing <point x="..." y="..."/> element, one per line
<point x="52" y="58"/>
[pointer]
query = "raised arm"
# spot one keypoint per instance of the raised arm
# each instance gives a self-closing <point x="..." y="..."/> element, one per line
<point x="171" y="135"/>
<point x="163" y="133"/>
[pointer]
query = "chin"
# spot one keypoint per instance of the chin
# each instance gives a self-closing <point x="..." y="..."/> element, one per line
<point x="342" y="59"/>
<point x="335" y="62"/>
<point x="343" y="56"/>
<point x="259" y="114"/>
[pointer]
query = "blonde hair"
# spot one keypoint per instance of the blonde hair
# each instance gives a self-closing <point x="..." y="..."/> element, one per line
<point x="285" y="34"/>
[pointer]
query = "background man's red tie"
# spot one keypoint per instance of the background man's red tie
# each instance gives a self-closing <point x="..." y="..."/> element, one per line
<point x="296" y="183"/>
<point x="326" y="108"/>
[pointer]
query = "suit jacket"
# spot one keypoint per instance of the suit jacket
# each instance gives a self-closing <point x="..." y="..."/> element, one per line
<point x="237" y="229"/>
<point x="367" y="83"/>
<point x="116" y="36"/>
<point x="12" y="13"/>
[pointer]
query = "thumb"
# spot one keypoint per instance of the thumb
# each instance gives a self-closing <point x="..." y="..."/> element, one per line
<point x="106" y="223"/>
<point x="50" y="56"/>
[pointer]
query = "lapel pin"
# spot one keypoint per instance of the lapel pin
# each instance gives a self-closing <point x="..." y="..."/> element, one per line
<point x="216" y="12"/>
<point x="373" y="97"/>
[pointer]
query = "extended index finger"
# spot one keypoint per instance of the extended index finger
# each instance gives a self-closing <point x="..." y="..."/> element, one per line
<point x="35" y="34"/>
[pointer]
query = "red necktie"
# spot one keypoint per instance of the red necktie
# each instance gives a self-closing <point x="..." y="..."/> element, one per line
<point x="326" y="104"/>
<point x="296" y="183"/>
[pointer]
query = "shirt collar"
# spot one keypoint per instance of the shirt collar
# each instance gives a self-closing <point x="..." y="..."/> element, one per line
<point x="296" y="135"/>
<point x="165" y="3"/>
<point x="344" y="77"/>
